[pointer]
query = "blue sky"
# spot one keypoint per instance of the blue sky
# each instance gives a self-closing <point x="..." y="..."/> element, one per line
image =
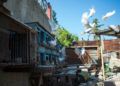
<point x="69" y="13"/>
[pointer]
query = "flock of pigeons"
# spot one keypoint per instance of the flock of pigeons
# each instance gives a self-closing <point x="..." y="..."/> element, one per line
<point x="89" y="26"/>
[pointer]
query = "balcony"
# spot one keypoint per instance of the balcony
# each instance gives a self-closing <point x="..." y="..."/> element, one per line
<point x="47" y="45"/>
<point x="14" y="51"/>
<point x="15" y="44"/>
<point x="43" y="4"/>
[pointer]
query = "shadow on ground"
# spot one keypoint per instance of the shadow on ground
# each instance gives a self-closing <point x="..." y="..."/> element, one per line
<point x="109" y="83"/>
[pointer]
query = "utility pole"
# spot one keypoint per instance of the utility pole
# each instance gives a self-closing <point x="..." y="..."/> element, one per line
<point x="102" y="60"/>
<point x="101" y="45"/>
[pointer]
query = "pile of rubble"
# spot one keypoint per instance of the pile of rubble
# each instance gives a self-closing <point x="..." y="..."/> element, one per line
<point x="114" y="79"/>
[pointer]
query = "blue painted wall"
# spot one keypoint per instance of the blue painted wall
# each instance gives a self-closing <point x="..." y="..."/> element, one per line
<point x="46" y="55"/>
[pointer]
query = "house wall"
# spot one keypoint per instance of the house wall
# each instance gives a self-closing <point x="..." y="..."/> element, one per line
<point x="72" y="57"/>
<point x="14" y="79"/>
<point x="109" y="45"/>
<point x="112" y="45"/>
<point x="45" y="54"/>
<point x="4" y="45"/>
<point x="28" y="11"/>
<point x="14" y="46"/>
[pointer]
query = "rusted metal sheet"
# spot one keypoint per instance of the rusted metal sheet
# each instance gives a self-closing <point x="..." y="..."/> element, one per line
<point x="109" y="32"/>
<point x="73" y="58"/>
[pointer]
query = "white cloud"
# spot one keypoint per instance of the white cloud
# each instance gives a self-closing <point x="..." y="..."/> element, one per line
<point x="107" y="15"/>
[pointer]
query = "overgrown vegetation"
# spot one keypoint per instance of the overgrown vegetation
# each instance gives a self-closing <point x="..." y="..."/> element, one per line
<point x="64" y="37"/>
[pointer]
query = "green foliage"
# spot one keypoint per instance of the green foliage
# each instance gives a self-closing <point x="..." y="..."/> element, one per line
<point x="96" y="29"/>
<point x="54" y="16"/>
<point x="97" y="23"/>
<point x="64" y="37"/>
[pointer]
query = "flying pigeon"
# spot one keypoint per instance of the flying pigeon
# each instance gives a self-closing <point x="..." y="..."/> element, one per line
<point x="107" y="15"/>
<point x="92" y="12"/>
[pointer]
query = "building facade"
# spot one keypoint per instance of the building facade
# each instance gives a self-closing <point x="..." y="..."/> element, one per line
<point x="26" y="56"/>
<point x="16" y="62"/>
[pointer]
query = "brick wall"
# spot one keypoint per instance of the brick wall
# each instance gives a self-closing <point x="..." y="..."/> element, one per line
<point x="109" y="45"/>
<point x="112" y="45"/>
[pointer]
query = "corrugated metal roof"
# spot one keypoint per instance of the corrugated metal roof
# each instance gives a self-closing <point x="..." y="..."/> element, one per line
<point x="109" y="32"/>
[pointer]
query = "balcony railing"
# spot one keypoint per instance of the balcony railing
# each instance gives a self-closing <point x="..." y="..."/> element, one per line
<point x="15" y="48"/>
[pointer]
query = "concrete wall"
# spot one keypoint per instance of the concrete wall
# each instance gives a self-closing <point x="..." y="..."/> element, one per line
<point x="28" y="11"/>
<point x="14" y="79"/>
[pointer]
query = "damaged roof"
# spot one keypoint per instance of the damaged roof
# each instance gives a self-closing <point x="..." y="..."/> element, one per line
<point x="110" y="32"/>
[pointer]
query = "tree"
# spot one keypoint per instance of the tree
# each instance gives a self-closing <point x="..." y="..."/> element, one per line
<point x="54" y="17"/>
<point x="96" y="28"/>
<point x="64" y="37"/>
